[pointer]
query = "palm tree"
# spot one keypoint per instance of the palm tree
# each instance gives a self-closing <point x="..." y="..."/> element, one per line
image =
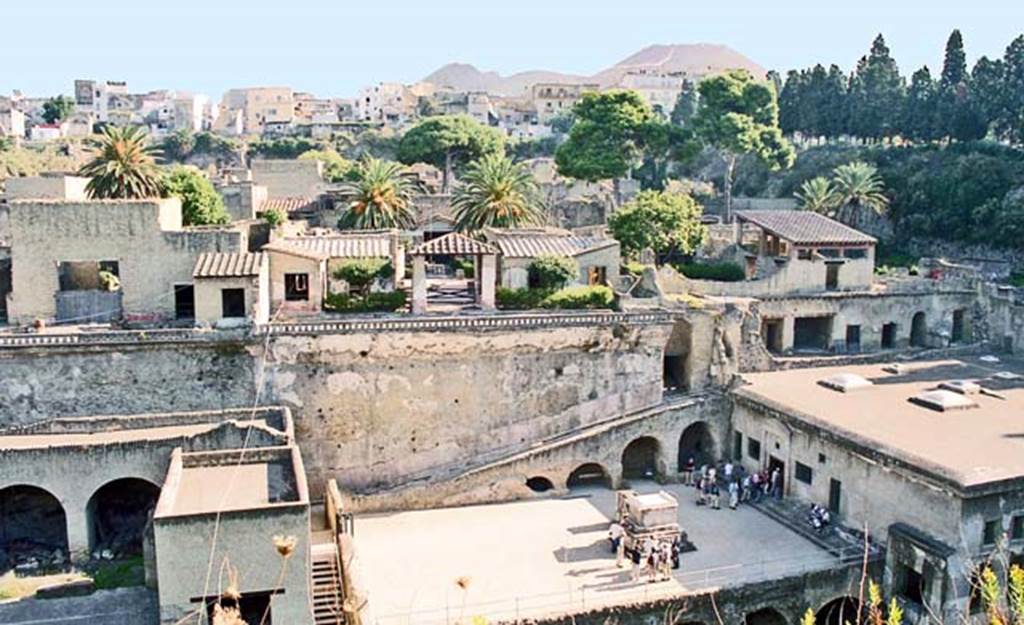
<point x="380" y="197"/>
<point x="857" y="187"/>
<point x="817" y="195"/>
<point x="494" y="191"/>
<point x="122" y="166"/>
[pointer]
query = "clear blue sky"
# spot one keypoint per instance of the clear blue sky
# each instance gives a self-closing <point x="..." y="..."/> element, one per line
<point x="332" y="47"/>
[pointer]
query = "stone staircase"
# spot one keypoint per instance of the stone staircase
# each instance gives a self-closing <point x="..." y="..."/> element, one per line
<point x="326" y="579"/>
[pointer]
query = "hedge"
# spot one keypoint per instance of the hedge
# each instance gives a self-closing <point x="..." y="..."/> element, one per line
<point x="719" y="272"/>
<point x="371" y="302"/>
<point x="577" y="297"/>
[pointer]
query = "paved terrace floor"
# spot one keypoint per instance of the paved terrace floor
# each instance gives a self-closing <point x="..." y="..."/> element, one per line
<point x="549" y="557"/>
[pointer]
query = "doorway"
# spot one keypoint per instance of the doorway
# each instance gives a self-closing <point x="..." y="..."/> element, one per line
<point x="852" y="339"/>
<point x="232" y="303"/>
<point x="184" y="301"/>
<point x="771" y="332"/>
<point x="889" y="336"/>
<point x="812" y="333"/>
<point x="832" y="276"/>
<point x="775" y="463"/>
<point x="835" y="495"/>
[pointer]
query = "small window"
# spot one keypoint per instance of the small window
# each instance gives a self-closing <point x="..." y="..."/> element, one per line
<point x="913" y="586"/>
<point x="856" y="253"/>
<point x="737" y="445"/>
<point x="1017" y="527"/>
<point x="829" y="252"/>
<point x="754" y="448"/>
<point x="597" y="276"/>
<point x="232" y="303"/>
<point x="804" y="254"/>
<point x="991" y="533"/>
<point x="822" y="459"/>
<point x="803" y="473"/>
<point x="296" y="287"/>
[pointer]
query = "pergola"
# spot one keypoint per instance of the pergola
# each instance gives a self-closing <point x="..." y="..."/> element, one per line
<point x="485" y="260"/>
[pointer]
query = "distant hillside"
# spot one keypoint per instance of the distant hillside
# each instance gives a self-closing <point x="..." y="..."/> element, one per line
<point x="696" y="59"/>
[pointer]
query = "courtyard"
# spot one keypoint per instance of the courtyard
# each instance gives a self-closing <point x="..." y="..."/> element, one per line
<point x="551" y="556"/>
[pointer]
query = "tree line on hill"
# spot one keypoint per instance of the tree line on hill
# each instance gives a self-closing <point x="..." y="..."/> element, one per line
<point x="876" y="102"/>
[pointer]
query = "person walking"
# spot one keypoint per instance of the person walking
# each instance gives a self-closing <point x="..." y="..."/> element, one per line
<point x="734" y="495"/>
<point x="776" y="481"/>
<point x="688" y="468"/>
<point x="615" y="533"/>
<point x="745" y="490"/>
<point x="727" y="470"/>
<point x="716" y="497"/>
<point x="755" y="487"/>
<point x="665" y="560"/>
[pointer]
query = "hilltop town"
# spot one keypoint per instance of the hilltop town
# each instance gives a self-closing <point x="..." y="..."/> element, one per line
<point x="685" y="341"/>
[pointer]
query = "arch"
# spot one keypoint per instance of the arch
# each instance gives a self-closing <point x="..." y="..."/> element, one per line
<point x="589" y="474"/>
<point x="697" y="442"/>
<point x="539" y="484"/>
<point x="33" y="524"/>
<point x="118" y="513"/>
<point x="640" y="458"/>
<point x="839" y="611"/>
<point x="765" y="616"/>
<point x="919" y="330"/>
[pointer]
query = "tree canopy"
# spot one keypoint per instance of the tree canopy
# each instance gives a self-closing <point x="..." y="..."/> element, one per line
<point x="201" y="205"/>
<point x="607" y="138"/>
<point x="664" y="222"/>
<point x="449" y="142"/>
<point x="380" y="196"/>
<point x="58" y="109"/>
<point x="337" y="168"/>
<point x="739" y="115"/>
<point x="496" y="192"/>
<point x="122" y="165"/>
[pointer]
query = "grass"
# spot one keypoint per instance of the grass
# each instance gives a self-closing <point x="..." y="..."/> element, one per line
<point x="120" y="574"/>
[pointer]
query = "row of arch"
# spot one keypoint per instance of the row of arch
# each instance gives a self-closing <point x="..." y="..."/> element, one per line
<point x="839" y="611"/>
<point x="642" y="458"/>
<point x="33" y="520"/>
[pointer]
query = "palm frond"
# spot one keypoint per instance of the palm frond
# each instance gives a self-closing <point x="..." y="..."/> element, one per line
<point x="496" y="192"/>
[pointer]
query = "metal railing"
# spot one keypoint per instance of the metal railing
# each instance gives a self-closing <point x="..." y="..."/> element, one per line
<point x="576" y="600"/>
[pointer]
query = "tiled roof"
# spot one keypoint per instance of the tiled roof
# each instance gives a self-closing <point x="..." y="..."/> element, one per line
<point x="530" y="244"/>
<point x="291" y="250"/>
<point x="228" y="265"/>
<point x="364" y="245"/>
<point x="805" y="227"/>
<point x="289" y="205"/>
<point x="453" y="244"/>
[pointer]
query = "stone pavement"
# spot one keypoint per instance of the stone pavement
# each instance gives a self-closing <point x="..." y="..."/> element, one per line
<point x="550" y="556"/>
<point x="123" y="606"/>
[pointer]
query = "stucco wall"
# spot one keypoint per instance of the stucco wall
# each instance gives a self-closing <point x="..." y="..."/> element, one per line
<point x="145" y="237"/>
<point x="316" y="270"/>
<point x="289" y="178"/>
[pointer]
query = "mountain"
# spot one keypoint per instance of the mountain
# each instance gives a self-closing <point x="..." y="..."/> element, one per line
<point x="698" y="59"/>
<point x="465" y="77"/>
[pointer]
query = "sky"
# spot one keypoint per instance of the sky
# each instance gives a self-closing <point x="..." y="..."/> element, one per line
<point x="332" y="48"/>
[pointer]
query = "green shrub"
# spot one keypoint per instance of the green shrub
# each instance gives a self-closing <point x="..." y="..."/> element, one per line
<point x="1017" y="280"/>
<point x="551" y="272"/>
<point x="520" y="299"/>
<point x="275" y="217"/>
<point x="390" y="301"/>
<point x="634" y="268"/>
<point x="579" y="297"/>
<point x="201" y="205"/>
<point x="360" y="273"/>
<point x="467" y="267"/>
<point x="719" y="272"/>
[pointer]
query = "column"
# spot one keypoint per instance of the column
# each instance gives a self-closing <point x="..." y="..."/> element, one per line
<point x="78" y="530"/>
<point x="419" y="284"/>
<point x="487" y="278"/>
<point x="788" y="326"/>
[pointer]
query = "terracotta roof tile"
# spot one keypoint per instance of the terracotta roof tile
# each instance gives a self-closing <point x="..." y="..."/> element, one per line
<point x="228" y="265"/>
<point x="454" y="244"/>
<point x="805" y="228"/>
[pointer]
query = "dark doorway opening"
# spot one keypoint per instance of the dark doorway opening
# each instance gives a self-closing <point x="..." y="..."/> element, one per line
<point x="832" y="276"/>
<point x="839" y="611"/>
<point x="696" y="442"/>
<point x="961" y="327"/>
<point x="771" y="332"/>
<point x="232" y="303"/>
<point x="640" y="459"/>
<point x="539" y="484"/>
<point x="852" y="339"/>
<point x="775" y="463"/>
<point x="674" y="373"/>
<point x="765" y="616"/>
<point x="296" y="287"/>
<point x="889" y="336"/>
<point x="184" y="301"/>
<point x="32" y="525"/>
<point x="118" y="513"/>
<point x="812" y="333"/>
<point x="919" y="330"/>
<point x="835" y="495"/>
<point x="589" y="474"/>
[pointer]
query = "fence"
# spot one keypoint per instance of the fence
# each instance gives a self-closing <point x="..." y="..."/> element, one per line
<point x="571" y="601"/>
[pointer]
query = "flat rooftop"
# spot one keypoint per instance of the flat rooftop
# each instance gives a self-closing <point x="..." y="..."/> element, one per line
<point x="234" y="486"/>
<point x="971" y="446"/>
<point x="170" y="432"/>
<point x="551" y="557"/>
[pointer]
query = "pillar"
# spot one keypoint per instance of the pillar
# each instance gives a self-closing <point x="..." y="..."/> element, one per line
<point x="419" y="284"/>
<point x="488" y="266"/>
<point x="78" y="530"/>
<point x="788" y="326"/>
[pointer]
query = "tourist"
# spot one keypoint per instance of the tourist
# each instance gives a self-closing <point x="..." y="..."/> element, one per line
<point x="716" y="497"/>
<point x="776" y="481"/>
<point x="755" y="486"/>
<point x="620" y="553"/>
<point x="734" y="495"/>
<point x="677" y="548"/>
<point x="727" y="470"/>
<point x="688" y="470"/>
<point x="615" y="532"/>
<point x="665" y="560"/>
<point x="745" y="490"/>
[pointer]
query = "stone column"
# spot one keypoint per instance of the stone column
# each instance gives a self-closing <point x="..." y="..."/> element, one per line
<point x="78" y="531"/>
<point x="419" y="284"/>
<point x="487" y="278"/>
<point x="788" y="325"/>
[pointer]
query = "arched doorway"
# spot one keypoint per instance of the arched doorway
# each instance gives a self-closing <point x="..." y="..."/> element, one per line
<point x="589" y="474"/>
<point x="640" y="459"/>
<point x="839" y="611"/>
<point x="32" y="526"/>
<point x="919" y="330"/>
<point x="765" y="616"/>
<point x="539" y="484"/>
<point x="118" y="512"/>
<point x="696" y="442"/>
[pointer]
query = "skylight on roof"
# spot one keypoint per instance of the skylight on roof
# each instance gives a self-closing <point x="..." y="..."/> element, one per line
<point x="943" y="401"/>
<point x="845" y="382"/>
<point x="964" y="387"/>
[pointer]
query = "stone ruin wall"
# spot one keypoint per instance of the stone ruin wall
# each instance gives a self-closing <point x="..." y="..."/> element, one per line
<point x="372" y="409"/>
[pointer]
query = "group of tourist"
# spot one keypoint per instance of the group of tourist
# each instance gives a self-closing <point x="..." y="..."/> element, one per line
<point x="651" y="558"/>
<point x="738" y="485"/>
